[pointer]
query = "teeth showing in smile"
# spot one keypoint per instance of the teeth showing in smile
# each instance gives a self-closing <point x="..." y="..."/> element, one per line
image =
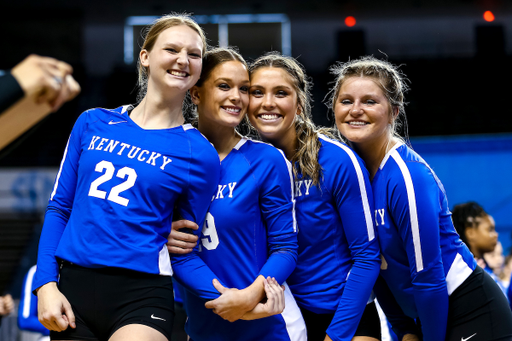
<point x="269" y="116"/>
<point x="357" y="123"/>
<point x="232" y="110"/>
<point x="177" y="73"/>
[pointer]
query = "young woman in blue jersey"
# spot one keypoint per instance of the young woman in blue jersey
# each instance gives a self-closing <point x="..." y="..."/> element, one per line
<point x="428" y="273"/>
<point x="123" y="173"/>
<point x="338" y="258"/>
<point x="250" y="232"/>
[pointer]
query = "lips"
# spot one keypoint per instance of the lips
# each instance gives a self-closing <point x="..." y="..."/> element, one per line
<point x="232" y="110"/>
<point x="269" y="116"/>
<point x="357" y="123"/>
<point x="177" y="73"/>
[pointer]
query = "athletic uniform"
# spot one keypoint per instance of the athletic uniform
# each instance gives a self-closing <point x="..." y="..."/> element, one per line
<point x="27" y="311"/>
<point x="114" y="197"/>
<point x="425" y="264"/>
<point x="339" y="257"/>
<point x="250" y="230"/>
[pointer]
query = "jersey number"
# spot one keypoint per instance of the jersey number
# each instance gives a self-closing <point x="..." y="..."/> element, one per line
<point x="210" y="232"/>
<point x="109" y="169"/>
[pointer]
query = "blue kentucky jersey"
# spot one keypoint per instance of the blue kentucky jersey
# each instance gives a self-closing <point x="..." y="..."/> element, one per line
<point x="115" y="192"/>
<point x="424" y="260"/>
<point x="250" y="230"/>
<point x="339" y="256"/>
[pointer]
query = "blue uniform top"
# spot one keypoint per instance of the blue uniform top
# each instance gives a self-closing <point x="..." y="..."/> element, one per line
<point x="27" y="311"/>
<point x="115" y="192"/>
<point x="509" y="294"/>
<point x="338" y="252"/>
<point x="250" y="230"/>
<point x="424" y="260"/>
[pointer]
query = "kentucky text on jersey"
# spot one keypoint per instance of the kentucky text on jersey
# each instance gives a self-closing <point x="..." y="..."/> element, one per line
<point x="116" y="190"/>
<point x="249" y="231"/>
<point x="338" y="253"/>
<point x="424" y="260"/>
<point x="109" y="146"/>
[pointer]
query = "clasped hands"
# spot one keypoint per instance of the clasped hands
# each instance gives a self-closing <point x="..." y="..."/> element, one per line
<point x="264" y="297"/>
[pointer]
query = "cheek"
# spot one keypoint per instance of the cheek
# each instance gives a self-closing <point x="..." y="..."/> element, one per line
<point x="254" y="104"/>
<point x="245" y="101"/>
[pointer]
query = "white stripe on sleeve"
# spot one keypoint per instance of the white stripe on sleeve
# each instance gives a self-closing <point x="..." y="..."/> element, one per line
<point x="413" y="212"/>
<point x="60" y="170"/>
<point x="362" y="186"/>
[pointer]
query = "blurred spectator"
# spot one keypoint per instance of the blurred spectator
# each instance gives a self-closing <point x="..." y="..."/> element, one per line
<point x="30" y="91"/>
<point x="47" y="79"/>
<point x="477" y="229"/>
<point x="27" y="311"/>
<point x="495" y="260"/>
<point x="6" y="305"/>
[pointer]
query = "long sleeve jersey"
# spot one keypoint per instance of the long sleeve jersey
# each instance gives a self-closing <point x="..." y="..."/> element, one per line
<point x="250" y="230"/>
<point x="339" y="259"/>
<point x="424" y="260"/>
<point x="116" y="190"/>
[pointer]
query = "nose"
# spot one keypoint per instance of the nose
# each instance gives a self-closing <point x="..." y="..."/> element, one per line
<point x="356" y="109"/>
<point x="235" y="95"/>
<point x="268" y="102"/>
<point x="183" y="58"/>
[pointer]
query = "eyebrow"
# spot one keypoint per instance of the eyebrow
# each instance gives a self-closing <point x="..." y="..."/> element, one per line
<point x="274" y="88"/>
<point x="229" y="80"/>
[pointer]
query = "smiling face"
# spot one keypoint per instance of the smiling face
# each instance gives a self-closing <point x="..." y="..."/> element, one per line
<point x="223" y="97"/>
<point x="175" y="59"/>
<point x="363" y="113"/>
<point x="273" y="104"/>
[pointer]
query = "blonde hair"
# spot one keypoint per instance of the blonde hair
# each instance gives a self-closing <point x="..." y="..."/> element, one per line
<point x="389" y="78"/>
<point x="305" y="159"/>
<point x="151" y="34"/>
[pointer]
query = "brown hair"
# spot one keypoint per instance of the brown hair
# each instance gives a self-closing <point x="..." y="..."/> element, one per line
<point x="305" y="159"/>
<point x="151" y="34"/>
<point x="391" y="81"/>
<point x="211" y="60"/>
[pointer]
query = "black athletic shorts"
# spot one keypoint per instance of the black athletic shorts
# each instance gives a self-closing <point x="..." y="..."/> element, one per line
<point x="479" y="311"/>
<point x="104" y="300"/>
<point x="317" y="324"/>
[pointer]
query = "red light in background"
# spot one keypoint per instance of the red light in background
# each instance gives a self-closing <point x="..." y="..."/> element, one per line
<point x="488" y="16"/>
<point x="350" y="21"/>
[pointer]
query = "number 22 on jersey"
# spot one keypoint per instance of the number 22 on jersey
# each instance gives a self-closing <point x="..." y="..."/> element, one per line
<point x="115" y="192"/>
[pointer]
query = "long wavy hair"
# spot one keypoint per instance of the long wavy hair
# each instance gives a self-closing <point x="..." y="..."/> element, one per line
<point x="305" y="159"/>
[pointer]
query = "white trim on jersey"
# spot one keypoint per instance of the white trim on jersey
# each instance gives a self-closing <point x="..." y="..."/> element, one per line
<point x="125" y="108"/>
<point x="240" y="143"/>
<point x="295" y="325"/>
<point x="292" y="184"/>
<point x="187" y="126"/>
<point x="28" y="291"/>
<point x="413" y="212"/>
<point x="388" y="154"/>
<point x="458" y="273"/>
<point x="362" y="186"/>
<point x="164" y="262"/>
<point x="60" y="170"/>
